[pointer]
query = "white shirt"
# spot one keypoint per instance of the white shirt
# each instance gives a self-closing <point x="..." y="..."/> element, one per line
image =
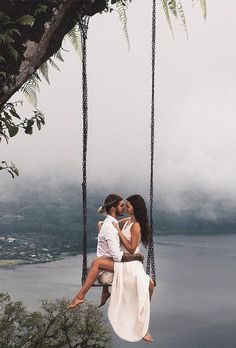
<point x="109" y="241"/>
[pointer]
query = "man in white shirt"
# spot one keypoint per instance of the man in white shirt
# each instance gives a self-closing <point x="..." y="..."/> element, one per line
<point x="109" y="243"/>
<point x="108" y="240"/>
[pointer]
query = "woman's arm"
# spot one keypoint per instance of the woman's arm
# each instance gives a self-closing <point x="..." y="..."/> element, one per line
<point x="131" y="245"/>
<point x="122" y="222"/>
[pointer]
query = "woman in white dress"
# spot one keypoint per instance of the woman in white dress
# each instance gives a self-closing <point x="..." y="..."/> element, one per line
<point x="129" y="308"/>
<point x="132" y="288"/>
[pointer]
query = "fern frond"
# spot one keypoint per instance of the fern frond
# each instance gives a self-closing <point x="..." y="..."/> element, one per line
<point x="58" y="55"/>
<point x="53" y="64"/>
<point x="43" y="69"/>
<point x="12" y="31"/>
<point x="4" y="19"/>
<point x="30" y="89"/>
<point x="167" y="14"/>
<point x="3" y="73"/>
<point x="6" y="39"/>
<point x="40" y="9"/>
<point x="204" y="8"/>
<point x="182" y="16"/>
<point x="12" y="51"/>
<point x="172" y="6"/>
<point x="26" y="20"/>
<point x="74" y="36"/>
<point x="123" y="18"/>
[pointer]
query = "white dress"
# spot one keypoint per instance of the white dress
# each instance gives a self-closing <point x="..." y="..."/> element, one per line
<point x="129" y="307"/>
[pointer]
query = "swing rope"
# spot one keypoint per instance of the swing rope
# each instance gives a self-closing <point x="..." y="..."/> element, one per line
<point x="150" y="268"/>
<point x="83" y="25"/>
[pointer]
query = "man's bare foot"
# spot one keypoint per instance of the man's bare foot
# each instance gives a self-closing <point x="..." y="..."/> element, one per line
<point x="75" y="302"/>
<point x="105" y="296"/>
<point x="148" y="338"/>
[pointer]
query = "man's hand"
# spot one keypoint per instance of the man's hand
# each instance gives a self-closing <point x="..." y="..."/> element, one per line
<point x="132" y="257"/>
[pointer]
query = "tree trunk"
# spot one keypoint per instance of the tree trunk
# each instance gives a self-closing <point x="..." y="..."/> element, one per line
<point x="37" y="42"/>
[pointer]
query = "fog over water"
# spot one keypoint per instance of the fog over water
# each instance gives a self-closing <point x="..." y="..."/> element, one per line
<point x="195" y="126"/>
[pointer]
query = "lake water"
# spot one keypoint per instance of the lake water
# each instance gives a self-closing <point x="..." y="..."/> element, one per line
<point x="194" y="304"/>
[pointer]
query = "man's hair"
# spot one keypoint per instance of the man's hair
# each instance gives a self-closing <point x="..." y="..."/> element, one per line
<point x="112" y="200"/>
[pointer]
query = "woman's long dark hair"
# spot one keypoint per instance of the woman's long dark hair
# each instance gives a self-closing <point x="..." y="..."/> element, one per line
<point x="141" y="216"/>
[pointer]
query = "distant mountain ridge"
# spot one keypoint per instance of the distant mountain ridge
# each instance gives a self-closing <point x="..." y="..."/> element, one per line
<point x="57" y="213"/>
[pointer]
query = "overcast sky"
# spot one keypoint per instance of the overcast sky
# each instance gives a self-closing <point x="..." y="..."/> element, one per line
<point x="195" y="108"/>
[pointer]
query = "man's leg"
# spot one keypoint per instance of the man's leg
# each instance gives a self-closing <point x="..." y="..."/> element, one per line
<point x="104" y="296"/>
<point x="103" y="263"/>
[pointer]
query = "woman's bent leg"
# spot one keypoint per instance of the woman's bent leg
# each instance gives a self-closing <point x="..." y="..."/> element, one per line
<point x="97" y="264"/>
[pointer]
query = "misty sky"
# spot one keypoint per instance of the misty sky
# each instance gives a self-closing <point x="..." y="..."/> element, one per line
<point x="195" y="104"/>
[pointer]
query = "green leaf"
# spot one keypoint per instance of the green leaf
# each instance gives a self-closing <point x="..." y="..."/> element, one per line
<point x="172" y="6"/>
<point x="122" y="14"/>
<point x="12" y="129"/>
<point x="40" y="116"/>
<point x="29" y="127"/>
<point x="53" y="64"/>
<point x="29" y="130"/>
<point x="30" y="123"/>
<point x="12" y="31"/>
<point x="166" y="10"/>
<point x="3" y="73"/>
<point x="30" y="89"/>
<point x="6" y="39"/>
<point x="2" y="59"/>
<point x="14" y="169"/>
<point x="44" y="71"/>
<point x="26" y="20"/>
<point x="12" y="52"/>
<point x="38" y="124"/>
<point x="40" y="9"/>
<point x="74" y="35"/>
<point x="4" y="18"/>
<point x="5" y="136"/>
<point x="204" y="8"/>
<point x="58" y="55"/>
<point x="14" y="113"/>
<point x="7" y="116"/>
<point x="9" y="171"/>
<point x="182" y="16"/>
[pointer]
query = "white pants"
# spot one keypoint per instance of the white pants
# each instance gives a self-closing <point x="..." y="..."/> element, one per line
<point x="105" y="277"/>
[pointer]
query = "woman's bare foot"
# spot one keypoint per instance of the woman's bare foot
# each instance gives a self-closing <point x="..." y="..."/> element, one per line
<point x="148" y="338"/>
<point x="75" y="302"/>
<point x="105" y="296"/>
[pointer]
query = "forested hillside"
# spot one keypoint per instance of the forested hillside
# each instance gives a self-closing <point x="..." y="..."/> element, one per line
<point x="54" y="216"/>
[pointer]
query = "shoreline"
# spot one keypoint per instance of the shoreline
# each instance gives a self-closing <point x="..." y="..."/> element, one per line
<point x="10" y="263"/>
